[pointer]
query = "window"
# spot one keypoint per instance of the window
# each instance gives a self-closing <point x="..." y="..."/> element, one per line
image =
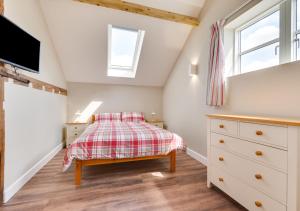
<point x="124" y="49"/>
<point x="258" y="45"/>
<point x="297" y="30"/>
<point x="266" y="35"/>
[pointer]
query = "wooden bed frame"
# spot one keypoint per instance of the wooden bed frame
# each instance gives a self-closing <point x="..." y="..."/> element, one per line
<point x="81" y="163"/>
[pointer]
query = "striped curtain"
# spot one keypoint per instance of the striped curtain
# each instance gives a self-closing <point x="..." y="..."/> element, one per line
<point x="216" y="83"/>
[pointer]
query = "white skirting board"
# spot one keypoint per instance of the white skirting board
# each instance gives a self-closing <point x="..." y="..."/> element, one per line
<point x="15" y="187"/>
<point x="202" y="159"/>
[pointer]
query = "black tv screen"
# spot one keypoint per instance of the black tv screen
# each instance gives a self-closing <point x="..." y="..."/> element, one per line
<point x="17" y="47"/>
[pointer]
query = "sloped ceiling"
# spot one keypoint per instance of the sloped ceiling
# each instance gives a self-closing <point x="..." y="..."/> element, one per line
<point x="79" y="33"/>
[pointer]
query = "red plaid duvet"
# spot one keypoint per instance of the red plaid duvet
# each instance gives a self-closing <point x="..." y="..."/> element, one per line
<point x="117" y="140"/>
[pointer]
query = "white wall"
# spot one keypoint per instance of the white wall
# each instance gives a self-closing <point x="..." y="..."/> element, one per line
<point x="273" y="92"/>
<point x="34" y="118"/>
<point x="28" y="15"/>
<point x="31" y="130"/>
<point x="115" y="98"/>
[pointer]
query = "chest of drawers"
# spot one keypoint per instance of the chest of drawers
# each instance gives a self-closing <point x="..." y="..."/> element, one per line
<point x="159" y="124"/>
<point x="255" y="160"/>
<point x="73" y="130"/>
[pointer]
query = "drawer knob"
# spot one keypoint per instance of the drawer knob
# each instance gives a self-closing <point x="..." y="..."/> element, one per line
<point x="221" y="179"/>
<point x="221" y="141"/>
<point x="259" y="153"/>
<point x="259" y="133"/>
<point x="75" y="134"/>
<point x="221" y="159"/>
<point x="221" y="126"/>
<point x="258" y="176"/>
<point x="258" y="204"/>
<point x="75" y="127"/>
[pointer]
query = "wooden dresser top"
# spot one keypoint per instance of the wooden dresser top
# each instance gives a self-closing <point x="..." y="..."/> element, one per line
<point x="257" y="119"/>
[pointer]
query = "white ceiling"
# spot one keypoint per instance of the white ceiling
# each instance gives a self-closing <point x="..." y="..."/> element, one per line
<point x="79" y="33"/>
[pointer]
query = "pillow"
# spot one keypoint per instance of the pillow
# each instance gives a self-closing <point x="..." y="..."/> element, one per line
<point x="102" y="117"/>
<point x="133" y="117"/>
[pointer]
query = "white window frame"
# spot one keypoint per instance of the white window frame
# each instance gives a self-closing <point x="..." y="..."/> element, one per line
<point x="287" y="36"/>
<point x="124" y="71"/>
<point x="295" y="31"/>
<point x="238" y="31"/>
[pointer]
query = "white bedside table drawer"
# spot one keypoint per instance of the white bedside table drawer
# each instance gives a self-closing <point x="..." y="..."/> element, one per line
<point x="157" y="124"/>
<point x="160" y="124"/>
<point x="74" y="133"/>
<point x="71" y="137"/>
<point x="76" y="128"/>
<point x="70" y="140"/>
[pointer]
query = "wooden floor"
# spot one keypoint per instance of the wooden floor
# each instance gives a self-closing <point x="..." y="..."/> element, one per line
<point x="143" y="185"/>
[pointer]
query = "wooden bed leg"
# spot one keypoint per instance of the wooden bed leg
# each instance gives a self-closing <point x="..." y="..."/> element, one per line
<point x="173" y="161"/>
<point x="78" y="172"/>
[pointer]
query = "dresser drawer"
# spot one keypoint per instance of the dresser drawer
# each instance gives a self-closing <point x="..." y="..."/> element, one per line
<point x="158" y="124"/>
<point x="274" y="135"/>
<point x="70" y="140"/>
<point x="74" y="133"/>
<point x="76" y="128"/>
<point x="244" y="194"/>
<point x="267" y="155"/>
<point x="72" y="136"/>
<point x="269" y="181"/>
<point x="224" y="126"/>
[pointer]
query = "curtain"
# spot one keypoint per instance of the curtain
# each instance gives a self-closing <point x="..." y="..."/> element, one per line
<point x="216" y="83"/>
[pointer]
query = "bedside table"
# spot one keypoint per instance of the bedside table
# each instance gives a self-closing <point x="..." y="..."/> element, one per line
<point x="73" y="130"/>
<point x="157" y="123"/>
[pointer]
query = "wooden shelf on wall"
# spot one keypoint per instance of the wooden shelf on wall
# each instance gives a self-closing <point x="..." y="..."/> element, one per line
<point x="24" y="80"/>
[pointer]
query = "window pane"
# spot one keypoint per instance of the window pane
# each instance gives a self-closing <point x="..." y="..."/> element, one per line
<point x="298" y="47"/>
<point x="261" y="32"/>
<point x="298" y="14"/>
<point x="261" y="58"/>
<point x="123" y="46"/>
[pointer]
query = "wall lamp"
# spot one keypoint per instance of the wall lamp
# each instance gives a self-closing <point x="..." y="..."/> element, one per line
<point x="193" y="69"/>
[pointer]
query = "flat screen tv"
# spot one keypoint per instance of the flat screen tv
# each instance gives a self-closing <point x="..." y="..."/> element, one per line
<point x="17" y="47"/>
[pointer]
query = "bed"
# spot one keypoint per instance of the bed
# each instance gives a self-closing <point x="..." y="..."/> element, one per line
<point x="115" y="140"/>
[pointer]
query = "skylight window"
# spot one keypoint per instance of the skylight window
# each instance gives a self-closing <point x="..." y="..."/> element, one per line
<point x="124" y="49"/>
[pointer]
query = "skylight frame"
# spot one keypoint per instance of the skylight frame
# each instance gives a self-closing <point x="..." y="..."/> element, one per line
<point x="124" y="71"/>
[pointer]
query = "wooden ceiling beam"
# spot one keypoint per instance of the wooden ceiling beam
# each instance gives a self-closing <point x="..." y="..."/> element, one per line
<point x="143" y="10"/>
